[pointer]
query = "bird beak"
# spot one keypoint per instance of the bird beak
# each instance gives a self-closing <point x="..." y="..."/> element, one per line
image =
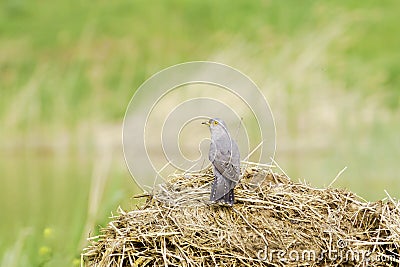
<point x="206" y="123"/>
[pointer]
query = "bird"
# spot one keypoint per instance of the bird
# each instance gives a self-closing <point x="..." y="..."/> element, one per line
<point x="225" y="158"/>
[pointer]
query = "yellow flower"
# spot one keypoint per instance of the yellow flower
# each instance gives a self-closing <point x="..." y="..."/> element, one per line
<point x="44" y="251"/>
<point x="76" y="262"/>
<point x="48" y="232"/>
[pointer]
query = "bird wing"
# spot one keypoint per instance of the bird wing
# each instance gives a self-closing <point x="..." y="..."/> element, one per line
<point x="226" y="159"/>
<point x="221" y="186"/>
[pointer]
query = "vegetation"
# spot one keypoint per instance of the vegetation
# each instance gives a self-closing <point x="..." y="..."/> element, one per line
<point x="273" y="221"/>
<point x="68" y="69"/>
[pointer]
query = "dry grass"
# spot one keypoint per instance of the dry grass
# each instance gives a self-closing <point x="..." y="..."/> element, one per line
<point x="274" y="222"/>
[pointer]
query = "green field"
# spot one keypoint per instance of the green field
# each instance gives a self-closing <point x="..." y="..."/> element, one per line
<point x="329" y="69"/>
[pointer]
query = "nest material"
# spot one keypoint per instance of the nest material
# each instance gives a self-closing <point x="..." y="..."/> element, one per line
<point x="274" y="222"/>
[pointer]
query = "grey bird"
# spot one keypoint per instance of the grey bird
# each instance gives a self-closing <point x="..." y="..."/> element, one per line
<point x="225" y="158"/>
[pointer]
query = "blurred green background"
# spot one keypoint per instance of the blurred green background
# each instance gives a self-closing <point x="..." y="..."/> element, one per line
<point x="330" y="70"/>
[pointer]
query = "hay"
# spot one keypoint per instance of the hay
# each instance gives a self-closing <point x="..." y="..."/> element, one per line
<point x="274" y="222"/>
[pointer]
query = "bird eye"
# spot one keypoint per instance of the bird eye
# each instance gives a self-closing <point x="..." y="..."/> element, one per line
<point x="215" y="122"/>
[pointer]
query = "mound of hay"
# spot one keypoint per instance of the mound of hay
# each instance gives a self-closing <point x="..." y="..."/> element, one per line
<point x="274" y="222"/>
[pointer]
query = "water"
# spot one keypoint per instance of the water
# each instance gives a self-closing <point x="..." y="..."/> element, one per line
<point x="69" y="193"/>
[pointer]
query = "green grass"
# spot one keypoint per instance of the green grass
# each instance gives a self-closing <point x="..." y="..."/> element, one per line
<point x="68" y="70"/>
<point x="54" y="192"/>
<point x="76" y="52"/>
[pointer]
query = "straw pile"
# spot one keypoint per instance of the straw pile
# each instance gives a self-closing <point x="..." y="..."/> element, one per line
<point x="274" y="222"/>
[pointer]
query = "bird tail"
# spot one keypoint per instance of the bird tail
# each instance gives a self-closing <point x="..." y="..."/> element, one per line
<point x="222" y="189"/>
<point x="229" y="198"/>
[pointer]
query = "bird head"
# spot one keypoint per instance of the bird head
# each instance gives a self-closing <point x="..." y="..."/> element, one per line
<point x="216" y="125"/>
